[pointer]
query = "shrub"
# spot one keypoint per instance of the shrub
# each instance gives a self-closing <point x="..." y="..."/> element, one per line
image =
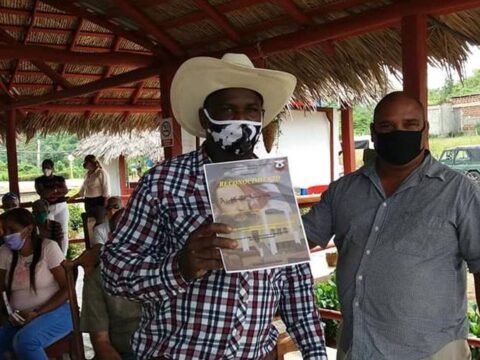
<point x="75" y="224"/>
<point x="74" y="251"/>
<point x="474" y="320"/>
<point x="326" y="297"/>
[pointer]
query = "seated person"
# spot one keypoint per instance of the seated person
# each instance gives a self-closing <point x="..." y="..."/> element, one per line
<point x="34" y="279"/>
<point x="10" y="201"/>
<point x="110" y="320"/>
<point x="49" y="229"/>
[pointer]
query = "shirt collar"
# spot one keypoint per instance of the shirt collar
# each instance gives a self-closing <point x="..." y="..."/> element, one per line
<point x="429" y="167"/>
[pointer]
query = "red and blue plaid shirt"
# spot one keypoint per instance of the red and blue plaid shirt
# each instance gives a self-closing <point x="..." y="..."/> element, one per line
<point x="219" y="316"/>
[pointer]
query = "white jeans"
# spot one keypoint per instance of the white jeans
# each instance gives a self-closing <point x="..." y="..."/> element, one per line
<point x="59" y="212"/>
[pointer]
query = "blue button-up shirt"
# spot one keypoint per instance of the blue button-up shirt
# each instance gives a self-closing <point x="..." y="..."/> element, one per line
<point x="401" y="268"/>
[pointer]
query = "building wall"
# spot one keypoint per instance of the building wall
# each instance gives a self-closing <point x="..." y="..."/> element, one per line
<point x="442" y="120"/>
<point x="305" y="139"/>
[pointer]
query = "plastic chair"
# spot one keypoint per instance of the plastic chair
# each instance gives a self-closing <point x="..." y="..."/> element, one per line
<point x="72" y="344"/>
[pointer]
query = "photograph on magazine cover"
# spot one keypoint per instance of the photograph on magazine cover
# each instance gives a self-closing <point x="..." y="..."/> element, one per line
<point x="256" y="198"/>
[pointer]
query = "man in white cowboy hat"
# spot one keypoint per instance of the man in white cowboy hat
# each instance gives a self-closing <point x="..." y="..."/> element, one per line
<point x="164" y="252"/>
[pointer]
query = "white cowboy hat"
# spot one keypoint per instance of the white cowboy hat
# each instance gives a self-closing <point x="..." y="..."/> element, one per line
<point x="198" y="77"/>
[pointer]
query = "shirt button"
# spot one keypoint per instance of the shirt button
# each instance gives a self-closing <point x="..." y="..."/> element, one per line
<point x="384" y="204"/>
<point x="368" y="252"/>
<point x="360" y="277"/>
<point x="376" y="228"/>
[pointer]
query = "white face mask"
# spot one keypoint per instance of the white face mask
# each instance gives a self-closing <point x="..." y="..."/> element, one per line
<point x="47" y="172"/>
<point x="234" y="136"/>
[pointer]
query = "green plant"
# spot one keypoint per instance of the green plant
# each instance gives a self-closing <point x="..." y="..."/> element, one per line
<point x="326" y="297"/>
<point x="474" y="320"/>
<point x="75" y="224"/>
<point x="74" y="251"/>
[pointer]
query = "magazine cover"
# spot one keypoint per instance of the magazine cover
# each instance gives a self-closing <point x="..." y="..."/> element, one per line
<point x="256" y="198"/>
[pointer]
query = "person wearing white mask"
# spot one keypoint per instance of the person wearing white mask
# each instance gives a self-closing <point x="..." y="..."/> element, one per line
<point x="164" y="252"/>
<point x="53" y="189"/>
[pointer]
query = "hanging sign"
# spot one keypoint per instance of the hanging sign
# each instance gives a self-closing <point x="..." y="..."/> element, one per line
<point x="166" y="131"/>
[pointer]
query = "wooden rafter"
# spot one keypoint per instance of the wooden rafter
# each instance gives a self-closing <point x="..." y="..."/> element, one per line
<point x="16" y="62"/>
<point x="67" y="74"/>
<point x="135" y="96"/>
<point x="92" y="87"/>
<point x="106" y="73"/>
<point x="73" y="42"/>
<point x="90" y="49"/>
<point x="131" y="11"/>
<point x="69" y="7"/>
<point x="47" y="70"/>
<point x="296" y="14"/>
<point x="36" y="86"/>
<point x="201" y="15"/>
<point x="318" y="11"/>
<point x="219" y="19"/>
<point x="54" y="31"/>
<point x="45" y="54"/>
<point x="353" y="25"/>
<point x="98" y="108"/>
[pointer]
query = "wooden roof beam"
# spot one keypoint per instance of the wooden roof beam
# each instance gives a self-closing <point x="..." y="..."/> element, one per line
<point x="54" y="31"/>
<point x="67" y="6"/>
<point x="201" y="15"/>
<point x="131" y="11"/>
<point x="295" y="12"/>
<point x="36" y="86"/>
<point x="24" y="42"/>
<point x="353" y="25"/>
<point x="107" y="72"/>
<point x="71" y="47"/>
<point x="40" y="14"/>
<point x="42" y="53"/>
<point x="98" y="108"/>
<point x="219" y="19"/>
<point x="47" y="70"/>
<point x="317" y="11"/>
<point x="67" y="74"/>
<point x="91" y="49"/>
<point x="93" y="87"/>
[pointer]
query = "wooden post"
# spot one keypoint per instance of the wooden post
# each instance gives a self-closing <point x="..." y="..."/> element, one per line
<point x="414" y="57"/>
<point x="348" y="143"/>
<point x="11" y="142"/>
<point x="331" y="120"/>
<point x="165" y="83"/>
<point x="122" y="175"/>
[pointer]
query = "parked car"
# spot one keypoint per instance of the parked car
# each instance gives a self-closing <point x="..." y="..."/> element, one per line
<point x="465" y="159"/>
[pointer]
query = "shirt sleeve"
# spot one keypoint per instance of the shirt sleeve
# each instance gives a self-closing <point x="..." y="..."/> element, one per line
<point x="300" y="314"/>
<point x="318" y="222"/>
<point x="469" y="230"/>
<point x="53" y="254"/>
<point x="81" y="192"/>
<point x="105" y="184"/>
<point x="5" y="255"/>
<point x="135" y="261"/>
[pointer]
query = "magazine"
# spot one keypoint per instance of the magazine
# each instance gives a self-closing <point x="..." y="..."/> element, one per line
<point x="256" y="198"/>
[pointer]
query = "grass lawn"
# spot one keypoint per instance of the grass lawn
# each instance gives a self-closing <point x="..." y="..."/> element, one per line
<point x="438" y="144"/>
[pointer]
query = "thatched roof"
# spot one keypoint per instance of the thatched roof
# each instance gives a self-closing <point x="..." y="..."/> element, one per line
<point x="108" y="147"/>
<point x="354" y="67"/>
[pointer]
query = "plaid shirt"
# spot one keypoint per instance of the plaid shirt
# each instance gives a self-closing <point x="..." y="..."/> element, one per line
<point x="219" y="316"/>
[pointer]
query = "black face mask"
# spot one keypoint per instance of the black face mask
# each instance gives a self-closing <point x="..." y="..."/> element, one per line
<point x="399" y="147"/>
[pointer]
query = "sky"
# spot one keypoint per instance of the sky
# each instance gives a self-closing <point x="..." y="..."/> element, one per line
<point x="436" y="77"/>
